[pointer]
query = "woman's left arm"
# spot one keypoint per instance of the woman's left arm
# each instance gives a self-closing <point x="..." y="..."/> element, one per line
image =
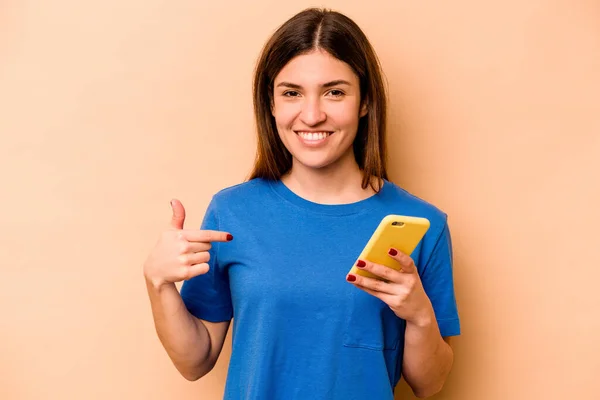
<point x="428" y="357"/>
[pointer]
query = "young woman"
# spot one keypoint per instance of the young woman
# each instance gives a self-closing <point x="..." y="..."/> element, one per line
<point x="303" y="327"/>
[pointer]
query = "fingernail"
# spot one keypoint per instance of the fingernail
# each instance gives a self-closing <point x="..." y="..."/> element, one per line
<point x="229" y="237"/>
<point x="393" y="252"/>
<point x="351" y="278"/>
<point x="361" y="264"/>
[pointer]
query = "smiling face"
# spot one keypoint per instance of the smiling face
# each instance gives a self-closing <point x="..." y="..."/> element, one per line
<point x="317" y="107"/>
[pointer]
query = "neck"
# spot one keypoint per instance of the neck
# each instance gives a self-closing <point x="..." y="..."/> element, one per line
<point x="339" y="183"/>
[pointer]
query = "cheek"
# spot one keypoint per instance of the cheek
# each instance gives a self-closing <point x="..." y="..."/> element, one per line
<point x="345" y="116"/>
<point x="284" y="115"/>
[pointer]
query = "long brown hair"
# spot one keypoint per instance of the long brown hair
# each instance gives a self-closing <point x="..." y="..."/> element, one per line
<point x="337" y="34"/>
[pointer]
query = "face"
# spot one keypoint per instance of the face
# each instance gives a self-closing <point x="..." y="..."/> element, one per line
<point x="317" y="107"/>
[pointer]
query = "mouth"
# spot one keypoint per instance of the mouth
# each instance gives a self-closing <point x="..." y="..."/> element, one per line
<point x="313" y="138"/>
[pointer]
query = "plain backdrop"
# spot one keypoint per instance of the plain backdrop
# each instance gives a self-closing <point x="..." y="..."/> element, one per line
<point x="108" y="109"/>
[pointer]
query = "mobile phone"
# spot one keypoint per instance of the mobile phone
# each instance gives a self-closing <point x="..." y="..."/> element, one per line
<point x="398" y="231"/>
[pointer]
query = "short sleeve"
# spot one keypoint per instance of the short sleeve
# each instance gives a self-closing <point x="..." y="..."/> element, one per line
<point x="438" y="282"/>
<point x="208" y="296"/>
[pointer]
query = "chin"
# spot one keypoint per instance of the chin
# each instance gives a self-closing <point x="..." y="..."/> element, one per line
<point x="313" y="161"/>
<point x="315" y="165"/>
<point x="319" y="155"/>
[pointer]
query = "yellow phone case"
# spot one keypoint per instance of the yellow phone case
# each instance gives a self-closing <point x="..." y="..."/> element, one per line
<point x="398" y="231"/>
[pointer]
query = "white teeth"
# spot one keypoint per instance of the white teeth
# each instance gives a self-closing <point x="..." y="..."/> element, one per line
<point x="313" y="135"/>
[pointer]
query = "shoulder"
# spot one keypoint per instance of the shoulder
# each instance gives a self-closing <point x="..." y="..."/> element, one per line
<point x="245" y="192"/>
<point x="405" y="202"/>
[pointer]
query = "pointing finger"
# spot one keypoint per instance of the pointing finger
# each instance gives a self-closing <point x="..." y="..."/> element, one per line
<point x="207" y="236"/>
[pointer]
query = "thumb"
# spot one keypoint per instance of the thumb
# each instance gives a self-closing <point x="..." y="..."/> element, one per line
<point x="178" y="214"/>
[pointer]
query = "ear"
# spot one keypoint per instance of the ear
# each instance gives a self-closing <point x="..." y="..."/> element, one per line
<point x="364" y="108"/>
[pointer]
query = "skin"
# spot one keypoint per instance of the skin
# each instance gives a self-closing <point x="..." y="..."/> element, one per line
<point x="193" y="345"/>
<point x="317" y="92"/>
<point x="313" y="92"/>
<point x="427" y="357"/>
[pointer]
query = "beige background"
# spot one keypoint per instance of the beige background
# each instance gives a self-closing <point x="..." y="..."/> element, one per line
<point x="110" y="108"/>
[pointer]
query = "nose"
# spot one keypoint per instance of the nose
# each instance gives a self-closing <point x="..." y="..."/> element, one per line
<point x="312" y="114"/>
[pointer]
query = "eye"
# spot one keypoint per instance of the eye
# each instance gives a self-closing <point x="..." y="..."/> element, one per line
<point x="291" y="93"/>
<point x="336" y="93"/>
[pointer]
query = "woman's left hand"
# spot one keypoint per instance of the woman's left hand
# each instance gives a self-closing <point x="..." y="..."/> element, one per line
<point x="403" y="291"/>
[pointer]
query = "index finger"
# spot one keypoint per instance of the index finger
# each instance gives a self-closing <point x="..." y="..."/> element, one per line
<point x="207" y="236"/>
<point x="406" y="262"/>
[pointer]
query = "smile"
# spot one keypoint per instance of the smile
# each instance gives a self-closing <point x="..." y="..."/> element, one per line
<point x="313" y="138"/>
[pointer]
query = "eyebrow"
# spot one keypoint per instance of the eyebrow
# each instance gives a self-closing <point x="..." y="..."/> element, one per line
<point x="327" y="85"/>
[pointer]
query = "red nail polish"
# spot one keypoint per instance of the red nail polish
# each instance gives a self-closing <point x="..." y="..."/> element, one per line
<point x="229" y="237"/>
<point x="393" y="252"/>
<point x="351" y="278"/>
<point x="361" y="264"/>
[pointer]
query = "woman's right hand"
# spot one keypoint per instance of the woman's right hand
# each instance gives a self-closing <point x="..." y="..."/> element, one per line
<point x="180" y="254"/>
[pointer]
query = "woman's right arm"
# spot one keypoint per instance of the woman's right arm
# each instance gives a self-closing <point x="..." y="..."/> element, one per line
<point x="193" y="345"/>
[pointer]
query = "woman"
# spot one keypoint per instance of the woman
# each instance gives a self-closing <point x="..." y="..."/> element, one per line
<point x="304" y="328"/>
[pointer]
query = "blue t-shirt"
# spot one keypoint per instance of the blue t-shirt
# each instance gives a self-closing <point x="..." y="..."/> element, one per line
<point x="300" y="330"/>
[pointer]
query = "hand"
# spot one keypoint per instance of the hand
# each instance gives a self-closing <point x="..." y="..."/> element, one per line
<point x="180" y="254"/>
<point x="402" y="290"/>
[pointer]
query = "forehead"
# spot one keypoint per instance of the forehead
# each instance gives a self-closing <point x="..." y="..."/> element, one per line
<point x="317" y="67"/>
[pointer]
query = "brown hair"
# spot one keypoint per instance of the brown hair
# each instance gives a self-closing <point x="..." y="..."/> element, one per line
<point x="337" y="34"/>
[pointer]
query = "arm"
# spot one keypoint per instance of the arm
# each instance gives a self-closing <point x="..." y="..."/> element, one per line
<point x="180" y="255"/>
<point x="193" y="345"/>
<point x="428" y="357"/>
